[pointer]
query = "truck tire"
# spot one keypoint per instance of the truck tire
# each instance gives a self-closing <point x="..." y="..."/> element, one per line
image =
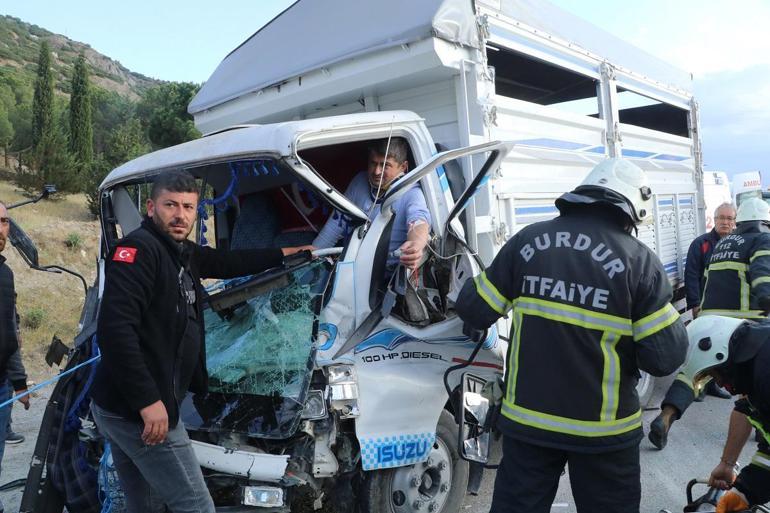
<point x="436" y="485"/>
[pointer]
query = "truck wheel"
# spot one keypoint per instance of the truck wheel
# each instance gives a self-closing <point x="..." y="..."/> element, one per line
<point x="436" y="485"/>
<point x="644" y="388"/>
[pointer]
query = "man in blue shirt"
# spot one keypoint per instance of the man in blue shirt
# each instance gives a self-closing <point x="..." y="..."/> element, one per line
<point x="411" y="226"/>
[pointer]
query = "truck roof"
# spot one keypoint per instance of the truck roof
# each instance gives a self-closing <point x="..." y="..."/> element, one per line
<point x="311" y="35"/>
<point x="244" y="141"/>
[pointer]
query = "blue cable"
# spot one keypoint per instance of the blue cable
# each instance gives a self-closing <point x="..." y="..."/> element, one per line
<point x="50" y="381"/>
<point x="216" y="202"/>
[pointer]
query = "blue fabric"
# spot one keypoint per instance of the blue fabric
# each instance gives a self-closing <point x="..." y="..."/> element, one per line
<point x="68" y="466"/>
<point x="697" y="258"/>
<point x="409" y="208"/>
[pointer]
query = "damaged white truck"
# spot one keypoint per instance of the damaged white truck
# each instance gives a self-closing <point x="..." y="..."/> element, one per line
<point x="322" y="394"/>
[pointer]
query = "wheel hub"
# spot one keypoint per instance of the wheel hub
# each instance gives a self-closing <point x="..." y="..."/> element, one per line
<point x="423" y="486"/>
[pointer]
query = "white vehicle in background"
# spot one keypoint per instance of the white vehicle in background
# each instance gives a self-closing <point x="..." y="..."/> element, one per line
<point x="746" y="185"/>
<point x="716" y="191"/>
<point x="322" y="388"/>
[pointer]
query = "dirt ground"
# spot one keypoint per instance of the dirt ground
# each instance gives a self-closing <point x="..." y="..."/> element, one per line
<point x="17" y="457"/>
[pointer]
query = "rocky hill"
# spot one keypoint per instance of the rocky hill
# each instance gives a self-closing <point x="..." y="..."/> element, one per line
<point x="20" y="45"/>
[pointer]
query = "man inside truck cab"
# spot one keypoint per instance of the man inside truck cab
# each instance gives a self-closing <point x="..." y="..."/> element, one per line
<point x="412" y="223"/>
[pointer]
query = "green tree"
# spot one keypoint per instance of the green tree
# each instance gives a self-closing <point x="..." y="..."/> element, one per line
<point x="163" y="111"/>
<point x="6" y="132"/>
<point x="7" y="106"/>
<point x="110" y="110"/>
<point x="42" y="103"/>
<point x="125" y="142"/>
<point x="54" y="162"/>
<point x="81" y="124"/>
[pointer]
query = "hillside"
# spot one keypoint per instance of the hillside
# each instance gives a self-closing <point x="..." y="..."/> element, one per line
<point x="49" y="304"/>
<point x="20" y="45"/>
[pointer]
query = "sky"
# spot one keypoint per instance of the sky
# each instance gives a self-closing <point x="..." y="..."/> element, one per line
<point x="723" y="44"/>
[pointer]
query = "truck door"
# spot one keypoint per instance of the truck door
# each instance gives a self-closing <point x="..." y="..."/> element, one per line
<point x="399" y="361"/>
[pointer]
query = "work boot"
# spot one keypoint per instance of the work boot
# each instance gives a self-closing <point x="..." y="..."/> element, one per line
<point x="715" y="390"/>
<point x="13" y="438"/>
<point x="659" y="427"/>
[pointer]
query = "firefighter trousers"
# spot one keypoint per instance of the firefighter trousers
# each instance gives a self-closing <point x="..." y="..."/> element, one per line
<point x="528" y="477"/>
<point x="680" y="396"/>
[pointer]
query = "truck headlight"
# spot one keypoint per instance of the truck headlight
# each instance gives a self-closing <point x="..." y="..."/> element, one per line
<point x="262" y="496"/>
<point x="315" y="405"/>
<point x="343" y="390"/>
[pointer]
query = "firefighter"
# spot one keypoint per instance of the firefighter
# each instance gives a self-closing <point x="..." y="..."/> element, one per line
<point x="590" y="307"/>
<point x="737" y="276"/>
<point x="736" y="353"/>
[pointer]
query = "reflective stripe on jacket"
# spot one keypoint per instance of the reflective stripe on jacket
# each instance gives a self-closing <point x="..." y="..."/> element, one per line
<point x="590" y="306"/>
<point x="738" y="273"/>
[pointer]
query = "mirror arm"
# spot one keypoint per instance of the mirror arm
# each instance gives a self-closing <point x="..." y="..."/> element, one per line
<point x="459" y="366"/>
<point x="47" y="191"/>
<point x="58" y="270"/>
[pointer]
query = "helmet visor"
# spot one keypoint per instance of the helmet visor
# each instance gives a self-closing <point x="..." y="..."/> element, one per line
<point x="700" y="380"/>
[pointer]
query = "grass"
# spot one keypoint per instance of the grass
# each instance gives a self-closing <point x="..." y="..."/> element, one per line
<point x="51" y="301"/>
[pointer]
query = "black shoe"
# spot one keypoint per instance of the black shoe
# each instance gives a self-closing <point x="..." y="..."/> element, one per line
<point x="13" y="438"/>
<point x="658" y="434"/>
<point x="715" y="390"/>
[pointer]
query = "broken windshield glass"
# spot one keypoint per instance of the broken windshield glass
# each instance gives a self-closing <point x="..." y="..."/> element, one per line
<point x="259" y="352"/>
<point x="261" y="345"/>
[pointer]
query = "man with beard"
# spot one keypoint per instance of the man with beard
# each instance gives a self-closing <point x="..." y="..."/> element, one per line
<point x="9" y="347"/>
<point x="151" y="336"/>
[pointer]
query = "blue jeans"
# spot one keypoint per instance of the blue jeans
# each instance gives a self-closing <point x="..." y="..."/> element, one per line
<point x="154" y="475"/>
<point x="5" y="417"/>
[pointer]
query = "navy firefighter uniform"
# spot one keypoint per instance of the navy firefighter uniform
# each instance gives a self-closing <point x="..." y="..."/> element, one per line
<point x="737" y="278"/>
<point x="590" y="306"/>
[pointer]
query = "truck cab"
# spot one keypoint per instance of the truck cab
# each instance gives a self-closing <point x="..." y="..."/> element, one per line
<point x="326" y="374"/>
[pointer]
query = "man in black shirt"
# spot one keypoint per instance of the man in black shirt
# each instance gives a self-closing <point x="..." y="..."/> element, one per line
<point x="9" y="346"/>
<point x="151" y="336"/>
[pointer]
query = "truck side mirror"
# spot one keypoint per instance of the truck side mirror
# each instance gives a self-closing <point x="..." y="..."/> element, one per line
<point x="473" y="420"/>
<point x="23" y="244"/>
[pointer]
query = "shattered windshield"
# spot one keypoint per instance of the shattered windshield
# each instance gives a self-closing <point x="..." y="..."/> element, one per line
<point x="262" y="345"/>
<point x="259" y="352"/>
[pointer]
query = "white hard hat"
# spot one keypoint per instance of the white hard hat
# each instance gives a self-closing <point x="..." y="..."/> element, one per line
<point x="709" y="337"/>
<point x="622" y="177"/>
<point x="753" y="209"/>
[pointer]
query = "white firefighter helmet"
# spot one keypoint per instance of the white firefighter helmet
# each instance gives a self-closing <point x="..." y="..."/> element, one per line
<point x="753" y="209"/>
<point x="621" y="177"/>
<point x="709" y="337"/>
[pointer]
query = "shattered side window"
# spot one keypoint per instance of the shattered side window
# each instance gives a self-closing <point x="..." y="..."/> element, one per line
<point x="261" y="345"/>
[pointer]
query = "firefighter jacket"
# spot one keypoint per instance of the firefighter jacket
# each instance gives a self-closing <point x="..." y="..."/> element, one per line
<point x="590" y="306"/>
<point x="753" y="377"/>
<point x="738" y="274"/>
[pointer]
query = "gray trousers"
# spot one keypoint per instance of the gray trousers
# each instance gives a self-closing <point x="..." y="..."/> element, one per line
<point x="154" y="477"/>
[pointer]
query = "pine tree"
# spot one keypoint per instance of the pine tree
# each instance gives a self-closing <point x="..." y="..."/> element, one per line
<point x="42" y="103"/>
<point x="81" y="124"/>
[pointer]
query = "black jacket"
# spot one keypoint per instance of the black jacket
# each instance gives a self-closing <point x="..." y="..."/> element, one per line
<point x="697" y="258"/>
<point x="152" y="344"/>
<point x="753" y="379"/>
<point x="590" y="306"/>
<point x="738" y="273"/>
<point x="8" y="341"/>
